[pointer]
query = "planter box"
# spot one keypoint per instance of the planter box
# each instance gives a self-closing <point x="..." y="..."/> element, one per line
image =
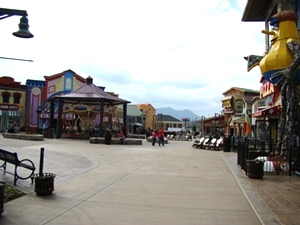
<point x="44" y="183"/>
<point x="255" y="169"/>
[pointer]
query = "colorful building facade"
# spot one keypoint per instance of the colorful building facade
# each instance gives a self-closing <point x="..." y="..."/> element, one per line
<point x="12" y="104"/>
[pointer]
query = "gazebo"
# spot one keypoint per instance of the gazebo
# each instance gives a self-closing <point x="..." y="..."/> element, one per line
<point x="87" y="95"/>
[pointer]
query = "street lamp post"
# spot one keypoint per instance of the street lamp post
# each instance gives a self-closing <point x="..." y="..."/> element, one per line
<point x="144" y="117"/>
<point x="23" y="31"/>
<point x="202" y="125"/>
<point x="161" y="123"/>
<point x="216" y="114"/>
<point x="39" y="111"/>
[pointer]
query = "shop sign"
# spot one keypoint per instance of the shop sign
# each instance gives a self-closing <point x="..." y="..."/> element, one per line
<point x="226" y="104"/>
<point x="8" y="107"/>
<point x="47" y="115"/>
<point x="267" y="89"/>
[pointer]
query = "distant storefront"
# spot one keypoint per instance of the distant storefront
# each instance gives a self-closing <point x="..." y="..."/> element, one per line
<point x="12" y="103"/>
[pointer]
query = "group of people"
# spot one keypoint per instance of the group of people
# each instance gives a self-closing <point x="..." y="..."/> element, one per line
<point x="160" y="135"/>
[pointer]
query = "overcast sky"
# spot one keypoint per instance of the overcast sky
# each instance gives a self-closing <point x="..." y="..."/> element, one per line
<point x="170" y="53"/>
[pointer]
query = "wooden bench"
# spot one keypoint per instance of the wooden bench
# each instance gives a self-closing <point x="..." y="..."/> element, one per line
<point x="10" y="157"/>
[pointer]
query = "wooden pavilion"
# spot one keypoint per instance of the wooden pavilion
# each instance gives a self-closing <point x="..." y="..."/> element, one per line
<point x="91" y="101"/>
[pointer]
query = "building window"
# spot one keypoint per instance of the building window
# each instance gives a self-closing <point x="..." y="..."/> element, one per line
<point x="17" y="97"/>
<point x="239" y="105"/>
<point x="239" y="109"/>
<point x="5" y="96"/>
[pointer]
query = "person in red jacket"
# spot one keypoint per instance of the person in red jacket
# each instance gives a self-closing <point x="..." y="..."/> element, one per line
<point x="122" y="137"/>
<point x="161" y="135"/>
<point x="153" y="137"/>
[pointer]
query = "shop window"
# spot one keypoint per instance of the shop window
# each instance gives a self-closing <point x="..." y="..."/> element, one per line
<point x="17" y="97"/>
<point x="5" y="96"/>
<point x="239" y="109"/>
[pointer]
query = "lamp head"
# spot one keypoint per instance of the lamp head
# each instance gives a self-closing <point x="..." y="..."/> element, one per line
<point x="23" y="31"/>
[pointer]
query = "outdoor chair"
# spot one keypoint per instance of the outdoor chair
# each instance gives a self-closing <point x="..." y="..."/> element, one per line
<point x="219" y="143"/>
<point x="197" y="142"/>
<point x="204" y="143"/>
<point x="212" y="143"/>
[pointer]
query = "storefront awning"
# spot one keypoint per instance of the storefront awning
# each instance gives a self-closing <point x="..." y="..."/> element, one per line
<point x="239" y="119"/>
<point x="137" y="124"/>
<point x="227" y="98"/>
<point x="271" y="111"/>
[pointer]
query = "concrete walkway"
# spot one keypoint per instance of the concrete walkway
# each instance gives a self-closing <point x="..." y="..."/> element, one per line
<point x="134" y="184"/>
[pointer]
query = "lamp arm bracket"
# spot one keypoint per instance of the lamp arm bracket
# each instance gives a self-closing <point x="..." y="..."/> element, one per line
<point x="4" y="13"/>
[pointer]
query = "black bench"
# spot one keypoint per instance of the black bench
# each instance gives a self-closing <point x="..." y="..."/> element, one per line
<point x="9" y="157"/>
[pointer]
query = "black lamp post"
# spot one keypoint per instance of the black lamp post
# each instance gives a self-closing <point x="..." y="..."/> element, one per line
<point x="23" y="31"/>
<point x="39" y="111"/>
<point x="202" y="125"/>
<point x="159" y="116"/>
<point x="216" y="114"/>
<point x="144" y="117"/>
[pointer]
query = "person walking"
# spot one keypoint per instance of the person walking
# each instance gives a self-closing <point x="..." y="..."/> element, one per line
<point x="161" y="137"/>
<point x="153" y="137"/>
<point x="122" y="137"/>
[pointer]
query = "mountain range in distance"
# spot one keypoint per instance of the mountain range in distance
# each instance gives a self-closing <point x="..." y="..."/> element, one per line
<point x="178" y="114"/>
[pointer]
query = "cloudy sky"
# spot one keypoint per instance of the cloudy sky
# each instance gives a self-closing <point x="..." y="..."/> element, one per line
<point x="171" y="53"/>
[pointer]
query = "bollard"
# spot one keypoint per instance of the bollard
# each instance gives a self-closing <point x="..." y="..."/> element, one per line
<point x="44" y="182"/>
<point x="41" y="161"/>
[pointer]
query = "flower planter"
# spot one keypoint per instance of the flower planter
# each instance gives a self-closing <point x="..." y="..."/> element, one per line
<point x="255" y="169"/>
<point x="44" y="183"/>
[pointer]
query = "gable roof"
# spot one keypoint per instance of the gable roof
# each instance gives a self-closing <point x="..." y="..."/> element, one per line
<point x="167" y="118"/>
<point x="140" y="106"/>
<point x="58" y="75"/>
<point x="132" y="110"/>
<point x="255" y="10"/>
<point x="241" y="90"/>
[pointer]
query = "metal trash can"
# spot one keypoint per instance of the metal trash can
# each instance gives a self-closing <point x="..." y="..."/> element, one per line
<point x="255" y="169"/>
<point x="44" y="183"/>
<point x="227" y="144"/>
<point x="2" y="187"/>
<point x="107" y="140"/>
<point x="48" y="133"/>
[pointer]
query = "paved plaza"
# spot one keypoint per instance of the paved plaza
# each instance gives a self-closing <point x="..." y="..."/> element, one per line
<point x="137" y="184"/>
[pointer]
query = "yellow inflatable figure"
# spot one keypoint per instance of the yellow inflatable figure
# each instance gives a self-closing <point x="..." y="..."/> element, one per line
<point x="281" y="61"/>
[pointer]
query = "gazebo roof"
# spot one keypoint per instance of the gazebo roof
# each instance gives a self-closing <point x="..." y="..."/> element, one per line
<point x="90" y="94"/>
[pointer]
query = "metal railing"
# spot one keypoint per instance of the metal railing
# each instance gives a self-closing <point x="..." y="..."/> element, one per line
<point x="254" y="149"/>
